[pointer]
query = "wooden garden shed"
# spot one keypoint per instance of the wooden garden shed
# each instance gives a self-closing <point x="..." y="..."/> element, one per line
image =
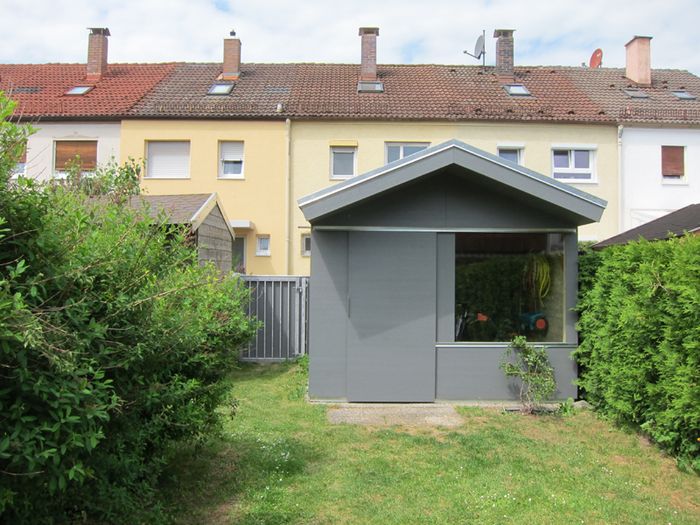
<point x="423" y="270"/>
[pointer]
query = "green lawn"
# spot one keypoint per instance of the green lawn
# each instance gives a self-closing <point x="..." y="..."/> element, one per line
<point x="281" y="462"/>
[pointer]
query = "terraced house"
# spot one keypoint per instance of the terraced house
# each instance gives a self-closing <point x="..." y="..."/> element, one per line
<point x="262" y="136"/>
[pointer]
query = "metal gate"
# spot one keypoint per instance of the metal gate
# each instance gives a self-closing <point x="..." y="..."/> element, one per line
<point x="280" y="303"/>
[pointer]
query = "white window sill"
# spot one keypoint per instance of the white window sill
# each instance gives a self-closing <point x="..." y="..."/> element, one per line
<point x="231" y="177"/>
<point x="670" y="181"/>
<point x="341" y="177"/>
<point x="262" y="254"/>
<point x="577" y="181"/>
<point x="166" y="178"/>
<point x="306" y="255"/>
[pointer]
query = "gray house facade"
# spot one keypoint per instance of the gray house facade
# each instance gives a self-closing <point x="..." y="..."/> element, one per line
<point x="422" y="271"/>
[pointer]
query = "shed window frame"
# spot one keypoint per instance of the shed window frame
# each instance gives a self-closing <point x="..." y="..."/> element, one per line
<point x="343" y="150"/>
<point x="669" y="172"/>
<point x="235" y="156"/>
<point x="402" y="149"/>
<point x="572" y="173"/>
<point x="177" y="172"/>
<point x="59" y="172"/>
<point x="263" y="249"/>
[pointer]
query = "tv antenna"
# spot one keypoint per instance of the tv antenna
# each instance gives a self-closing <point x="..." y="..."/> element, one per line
<point x="479" y="50"/>
<point x="596" y="60"/>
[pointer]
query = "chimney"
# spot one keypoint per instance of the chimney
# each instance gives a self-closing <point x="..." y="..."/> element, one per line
<point x="368" y="69"/>
<point x="504" y="52"/>
<point x="638" y="63"/>
<point x="97" y="53"/>
<point x="232" y="58"/>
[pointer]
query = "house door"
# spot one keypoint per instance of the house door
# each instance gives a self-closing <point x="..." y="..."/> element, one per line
<point x="391" y="321"/>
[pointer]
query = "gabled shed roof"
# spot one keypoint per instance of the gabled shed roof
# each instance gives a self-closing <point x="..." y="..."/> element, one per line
<point x="585" y="208"/>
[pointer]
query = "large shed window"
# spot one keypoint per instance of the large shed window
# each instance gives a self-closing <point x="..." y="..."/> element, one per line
<point x="509" y="284"/>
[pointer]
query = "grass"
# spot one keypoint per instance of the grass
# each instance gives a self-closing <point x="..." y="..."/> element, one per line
<point x="280" y="462"/>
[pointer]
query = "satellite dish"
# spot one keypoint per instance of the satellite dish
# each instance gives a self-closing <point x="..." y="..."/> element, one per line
<point x="479" y="47"/>
<point x="596" y="59"/>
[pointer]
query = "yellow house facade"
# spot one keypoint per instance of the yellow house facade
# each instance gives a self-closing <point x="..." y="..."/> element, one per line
<point x="313" y="143"/>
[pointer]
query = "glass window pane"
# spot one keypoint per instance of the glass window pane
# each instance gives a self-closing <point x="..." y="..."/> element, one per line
<point x="561" y="158"/>
<point x="239" y="254"/>
<point x="582" y="159"/>
<point x="410" y="150"/>
<point x="393" y="153"/>
<point x="233" y="167"/>
<point x="509" y="154"/>
<point x="343" y="163"/>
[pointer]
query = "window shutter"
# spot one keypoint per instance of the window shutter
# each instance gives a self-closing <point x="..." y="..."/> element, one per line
<point x="66" y="150"/>
<point x="231" y="150"/>
<point x="168" y="160"/>
<point x="672" y="164"/>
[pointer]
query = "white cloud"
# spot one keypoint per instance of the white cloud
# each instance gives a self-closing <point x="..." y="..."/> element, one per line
<point x="438" y="31"/>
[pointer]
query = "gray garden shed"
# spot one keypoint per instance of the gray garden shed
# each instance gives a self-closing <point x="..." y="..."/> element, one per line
<point x="424" y="269"/>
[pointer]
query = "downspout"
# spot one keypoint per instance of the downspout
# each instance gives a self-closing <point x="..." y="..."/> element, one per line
<point x="621" y="181"/>
<point x="288" y="196"/>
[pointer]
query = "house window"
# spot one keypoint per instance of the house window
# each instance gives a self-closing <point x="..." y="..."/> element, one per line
<point x="306" y="245"/>
<point x="512" y="154"/>
<point x="672" y="162"/>
<point x="238" y="254"/>
<point x="231" y="160"/>
<point x="262" y="247"/>
<point x="79" y="153"/>
<point x="399" y="150"/>
<point x="20" y="169"/>
<point x="168" y="159"/>
<point x="343" y="160"/>
<point x="574" y="164"/>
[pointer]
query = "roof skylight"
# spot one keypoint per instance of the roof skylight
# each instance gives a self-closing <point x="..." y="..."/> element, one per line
<point x="635" y="93"/>
<point x="78" y="90"/>
<point x="220" y="89"/>
<point x="369" y="86"/>
<point x="517" y="90"/>
<point x="684" y="95"/>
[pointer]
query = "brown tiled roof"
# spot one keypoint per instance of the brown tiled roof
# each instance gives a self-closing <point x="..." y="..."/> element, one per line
<point x="39" y="89"/>
<point x="676" y="223"/>
<point x="178" y="209"/>
<point x="605" y="87"/>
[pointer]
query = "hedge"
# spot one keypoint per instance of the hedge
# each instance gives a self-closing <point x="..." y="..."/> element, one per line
<point x="640" y="350"/>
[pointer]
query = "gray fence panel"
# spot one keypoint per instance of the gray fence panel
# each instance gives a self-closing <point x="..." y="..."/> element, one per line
<point x="280" y="303"/>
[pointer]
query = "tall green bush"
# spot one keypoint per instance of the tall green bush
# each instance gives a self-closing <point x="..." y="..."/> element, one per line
<point x="641" y="341"/>
<point x="113" y="342"/>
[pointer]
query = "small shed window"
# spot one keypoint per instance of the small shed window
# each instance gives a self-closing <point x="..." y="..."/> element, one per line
<point x="81" y="153"/>
<point x="509" y="284"/>
<point x="168" y="160"/>
<point x="231" y="160"/>
<point x="343" y="161"/>
<point x="672" y="162"/>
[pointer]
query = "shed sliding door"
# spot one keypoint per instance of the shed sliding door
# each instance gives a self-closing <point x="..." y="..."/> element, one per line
<point x="392" y="313"/>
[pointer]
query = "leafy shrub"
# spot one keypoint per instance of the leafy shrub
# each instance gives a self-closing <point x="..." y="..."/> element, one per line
<point x="113" y="342"/>
<point x="641" y="346"/>
<point x="533" y="369"/>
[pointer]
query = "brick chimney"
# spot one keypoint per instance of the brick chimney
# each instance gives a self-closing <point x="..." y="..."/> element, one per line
<point x="368" y="69"/>
<point x="504" y="52"/>
<point x="97" y="53"/>
<point x="232" y="58"/>
<point x="638" y="63"/>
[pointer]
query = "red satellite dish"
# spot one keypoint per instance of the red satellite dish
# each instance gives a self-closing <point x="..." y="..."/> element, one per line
<point x="596" y="58"/>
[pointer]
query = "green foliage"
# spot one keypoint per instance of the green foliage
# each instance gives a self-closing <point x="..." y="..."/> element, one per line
<point x="532" y="369"/>
<point x="113" y="342"/>
<point x="588" y="263"/>
<point x="641" y="347"/>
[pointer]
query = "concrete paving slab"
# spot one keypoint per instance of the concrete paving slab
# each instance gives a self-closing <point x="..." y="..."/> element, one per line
<point x="380" y="414"/>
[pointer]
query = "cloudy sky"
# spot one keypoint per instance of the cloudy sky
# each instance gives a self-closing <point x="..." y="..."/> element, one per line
<point x="436" y="31"/>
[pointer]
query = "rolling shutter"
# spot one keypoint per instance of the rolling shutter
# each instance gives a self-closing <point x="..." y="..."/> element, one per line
<point x="66" y="151"/>
<point x="168" y="160"/>
<point x="672" y="162"/>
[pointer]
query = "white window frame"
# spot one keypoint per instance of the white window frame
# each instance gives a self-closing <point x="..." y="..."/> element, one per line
<point x="186" y="173"/>
<point x="260" y="252"/>
<point x="343" y="149"/>
<point x="519" y="148"/>
<point x="234" y="157"/>
<point x="401" y="146"/>
<point x="304" y="251"/>
<point x="592" y="162"/>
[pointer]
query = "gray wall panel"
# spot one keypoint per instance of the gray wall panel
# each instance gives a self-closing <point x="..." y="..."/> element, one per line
<point x="391" y="331"/>
<point x="445" y="287"/>
<point x="328" y="314"/>
<point x="473" y="373"/>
